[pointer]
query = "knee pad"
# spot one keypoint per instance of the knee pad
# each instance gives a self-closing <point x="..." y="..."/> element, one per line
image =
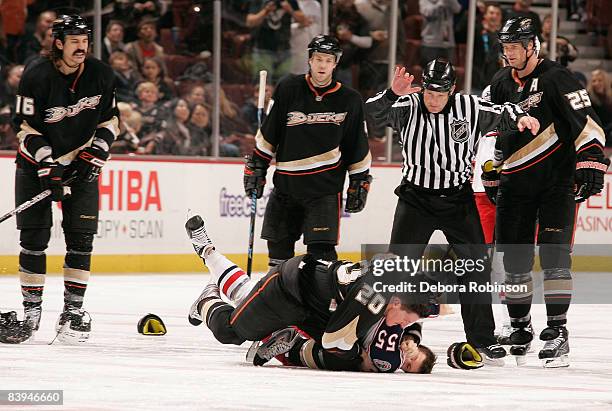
<point x="555" y="256"/>
<point x="35" y="239"/>
<point x="32" y="258"/>
<point x="78" y="250"/>
<point x="281" y="250"/>
<point x="323" y="251"/>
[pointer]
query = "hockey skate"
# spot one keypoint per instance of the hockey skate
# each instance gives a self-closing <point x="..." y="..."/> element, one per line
<point x="280" y="342"/>
<point x="210" y="291"/>
<point x="13" y="331"/>
<point x="198" y="236"/>
<point x="73" y="326"/>
<point x="556" y="349"/>
<point x="504" y="336"/>
<point x="32" y="315"/>
<point x="493" y="355"/>
<point x="521" y="338"/>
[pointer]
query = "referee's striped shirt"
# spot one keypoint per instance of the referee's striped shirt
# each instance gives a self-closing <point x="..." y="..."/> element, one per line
<point x="438" y="148"/>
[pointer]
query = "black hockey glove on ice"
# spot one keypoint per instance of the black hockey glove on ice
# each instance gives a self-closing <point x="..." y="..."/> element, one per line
<point x="490" y="180"/>
<point x="89" y="163"/>
<point x="357" y="192"/>
<point x="590" y="170"/>
<point x="50" y="175"/>
<point x="254" y="175"/>
<point x="13" y="331"/>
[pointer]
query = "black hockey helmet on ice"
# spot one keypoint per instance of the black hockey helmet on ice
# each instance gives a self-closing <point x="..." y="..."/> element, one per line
<point x="151" y="324"/>
<point x="439" y="75"/>
<point x="69" y="24"/>
<point x="324" y="43"/>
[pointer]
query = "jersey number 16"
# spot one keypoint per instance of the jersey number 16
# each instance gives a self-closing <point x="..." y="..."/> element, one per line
<point x="24" y="105"/>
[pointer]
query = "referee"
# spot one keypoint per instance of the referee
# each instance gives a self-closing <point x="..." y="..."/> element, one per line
<point x="439" y="130"/>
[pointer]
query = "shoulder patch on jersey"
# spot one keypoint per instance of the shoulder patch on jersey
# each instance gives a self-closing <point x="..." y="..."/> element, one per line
<point x="383" y="366"/>
<point x="460" y="130"/>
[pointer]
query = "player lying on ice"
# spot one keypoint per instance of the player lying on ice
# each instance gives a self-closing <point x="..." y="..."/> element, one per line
<point x="332" y="302"/>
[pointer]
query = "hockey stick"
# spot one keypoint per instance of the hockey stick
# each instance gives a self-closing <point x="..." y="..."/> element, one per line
<point x="260" y="108"/>
<point x="36" y="199"/>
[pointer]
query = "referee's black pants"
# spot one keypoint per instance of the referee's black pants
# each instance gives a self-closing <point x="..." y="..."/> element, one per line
<point x="418" y="214"/>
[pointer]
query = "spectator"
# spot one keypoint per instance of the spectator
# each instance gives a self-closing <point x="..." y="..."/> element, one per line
<point x="270" y="21"/>
<point x="233" y="129"/>
<point x="125" y="75"/>
<point x="522" y="8"/>
<point x="131" y="122"/>
<point x="47" y="43"/>
<point x="197" y="29"/>
<point x="438" y="32"/>
<point x="200" y="129"/>
<point x="176" y="137"/>
<point x="373" y="70"/>
<point x="8" y="138"/>
<point x="566" y="51"/>
<point x="13" y="16"/>
<point x="131" y="12"/>
<point x="145" y="46"/>
<point x="353" y="33"/>
<point x="197" y="95"/>
<point x="8" y="88"/>
<point x="302" y="33"/>
<point x="152" y="116"/>
<point x="487" y="50"/>
<point x="32" y="43"/>
<point x="153" y="70"/>
<point x="248" y="111"/>
<point x="113" y="40"/>
<point x="600" y="90"/>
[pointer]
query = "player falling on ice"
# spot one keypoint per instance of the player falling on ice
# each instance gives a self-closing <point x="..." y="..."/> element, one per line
<point x="330" y="301"/>
<point x="540" y="180"/>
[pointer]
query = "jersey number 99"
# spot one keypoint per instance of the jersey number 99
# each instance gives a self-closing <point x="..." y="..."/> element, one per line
<point x="25" y="106"/>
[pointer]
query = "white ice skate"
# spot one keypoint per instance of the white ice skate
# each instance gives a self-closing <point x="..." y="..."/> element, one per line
<point x="73" y="326"/>
<point x="196" y="231"/>
<point x="556" y="349"/>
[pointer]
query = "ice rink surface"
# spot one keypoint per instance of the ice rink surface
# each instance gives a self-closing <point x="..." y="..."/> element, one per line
<point x="119" y="369"/>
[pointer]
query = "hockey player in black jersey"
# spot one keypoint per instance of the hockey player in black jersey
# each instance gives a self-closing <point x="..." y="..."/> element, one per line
<point x="315" y="130"/>
<point x="331" y="301"/>
<point x="540" y="180"/>
<point x="67" y="120"/>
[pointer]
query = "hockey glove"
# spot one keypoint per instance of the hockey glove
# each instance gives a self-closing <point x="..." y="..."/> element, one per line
<point x="490" y="180"/>
<point x="357" y="192"/>
<point x="590" y="170"/>
<point x="254" y="175"/>
<point x="463" y="356"/>
<point x="89" y="163"/>
<point x="50" y="175"/>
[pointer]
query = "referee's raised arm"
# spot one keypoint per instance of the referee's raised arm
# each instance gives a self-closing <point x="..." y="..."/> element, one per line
<point x="390" y="106"/>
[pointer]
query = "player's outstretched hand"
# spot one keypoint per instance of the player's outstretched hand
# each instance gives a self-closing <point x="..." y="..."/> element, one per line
<point x="527" y="122"/>
<point x="402" y="82"/>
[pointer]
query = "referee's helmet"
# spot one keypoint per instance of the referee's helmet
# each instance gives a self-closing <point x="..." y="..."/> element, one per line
<point x="439" y="75"/>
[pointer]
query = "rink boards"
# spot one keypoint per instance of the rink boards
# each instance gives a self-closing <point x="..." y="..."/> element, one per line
<point x="144" y="203"/>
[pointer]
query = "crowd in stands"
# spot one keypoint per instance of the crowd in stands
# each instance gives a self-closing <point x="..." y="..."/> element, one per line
<point x="161" y="54"/>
